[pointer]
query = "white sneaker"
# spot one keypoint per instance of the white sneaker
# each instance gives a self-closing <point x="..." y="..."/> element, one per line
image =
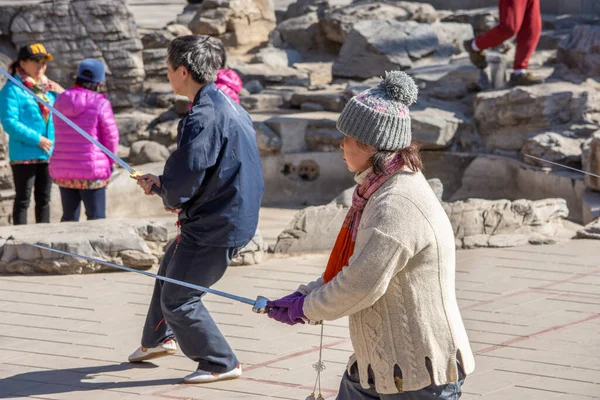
<point x="166" y="348"/>
<point x="201" y="376"/>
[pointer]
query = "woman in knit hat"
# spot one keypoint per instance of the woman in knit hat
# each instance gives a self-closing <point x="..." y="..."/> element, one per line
<point x="392" y="269"/>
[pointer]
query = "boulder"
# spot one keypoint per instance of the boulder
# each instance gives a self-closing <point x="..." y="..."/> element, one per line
<point x="155" y="63"/>
<point x="313" y="229"/>
<point x="553" y="147"/>
<point x="268" y="141"/>
<point x="526" y="110"/>
<point x="75" y="30"/>
<point x="590" y="231"/>
<point x="253" y="253"/>
<point x="145" y="151"/>
<point x="133" y="126"/>
<point x="338" y="22"/>
<point x="297" y="130"/>
<point x="254" y="87"/>
<point x="165" y="133"/>
<point x="496" y="177"/>
<point x="178" y="30"/>
<point x="311" y="107"/>
<point x="302" y="7"/>
<point x="591" y="161"/>
<point x="450" y="81"/>
<point x="157" y="39"/>
<point x="319" y="73"/>
<point x="128" y="242"/>
<point x="238" y="23"/>
<point x="269" y="75"/>
<point x="374" y="47"/>
<point x="261" y="102"/>
<point x="580" y="51"/>
<point x="277" y="57"/>
<point x="303" y="33"/>
<point x="448" y="167"/>
<point x="330" y="100"/>
<point x="481" y="19"/>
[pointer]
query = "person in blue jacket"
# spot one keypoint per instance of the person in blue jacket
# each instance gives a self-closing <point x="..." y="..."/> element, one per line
<point x="30" y="131"/>
<point x="214" y="182"/>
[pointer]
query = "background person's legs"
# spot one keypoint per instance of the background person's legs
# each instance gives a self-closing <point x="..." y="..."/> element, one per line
<point x="42" y="191"/>
<point x="23" y="178"/>
<point x="71" y="204"/>
<point x="529" y="35"/>
<point x="512" y="13"/>
<point x="94" y="201"/>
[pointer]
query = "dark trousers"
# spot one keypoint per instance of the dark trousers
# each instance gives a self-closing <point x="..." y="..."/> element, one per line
<point x="517" y="17"/>
<point x="94" y="201"/>
<point x="28" y="177"/>
<point x="178" y="311"/>
<point x="350" y="389"/>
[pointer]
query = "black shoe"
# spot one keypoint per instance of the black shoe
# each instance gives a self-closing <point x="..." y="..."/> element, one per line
<point x="524" y="79"/>
<point x="477" y="57"/>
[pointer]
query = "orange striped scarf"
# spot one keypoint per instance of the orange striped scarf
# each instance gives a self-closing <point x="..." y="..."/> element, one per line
<point x="344" y="244"/>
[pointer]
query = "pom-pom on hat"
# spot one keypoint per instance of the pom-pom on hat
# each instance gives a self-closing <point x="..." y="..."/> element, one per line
<point x="379" y="117"/>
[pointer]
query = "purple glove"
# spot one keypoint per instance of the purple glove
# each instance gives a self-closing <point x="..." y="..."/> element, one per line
<point x="288" y="309"/>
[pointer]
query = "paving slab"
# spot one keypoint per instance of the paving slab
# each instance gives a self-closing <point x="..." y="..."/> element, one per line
<point x="532" y="313"/>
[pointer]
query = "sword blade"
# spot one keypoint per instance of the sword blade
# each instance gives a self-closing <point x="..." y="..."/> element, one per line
<point x="69" y="122"/>
<point x="162" y="278"/>
<point x="561" y="165"/>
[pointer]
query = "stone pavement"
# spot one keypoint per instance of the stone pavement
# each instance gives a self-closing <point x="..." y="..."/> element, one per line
<point x="533" y="315"/>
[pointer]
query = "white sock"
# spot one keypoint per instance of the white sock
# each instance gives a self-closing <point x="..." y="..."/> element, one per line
<point x="474" y="46"/>
<point x="519" y="71"/>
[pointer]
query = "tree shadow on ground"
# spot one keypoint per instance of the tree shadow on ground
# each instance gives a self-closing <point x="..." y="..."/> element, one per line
<point x="46" y="382"/>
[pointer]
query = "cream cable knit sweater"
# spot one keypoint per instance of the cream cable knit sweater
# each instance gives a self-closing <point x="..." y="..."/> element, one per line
<point x="399" y="290"/>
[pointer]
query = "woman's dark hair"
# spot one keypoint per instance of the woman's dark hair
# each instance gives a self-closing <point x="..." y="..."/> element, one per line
<point x="93" y="86"/>
<point x="410" y="157"/>
<point x="14" y="66"/>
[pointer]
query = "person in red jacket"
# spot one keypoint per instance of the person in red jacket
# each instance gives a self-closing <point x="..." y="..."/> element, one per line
<point x="228" y="80"/>
<point x="517" y="17"/>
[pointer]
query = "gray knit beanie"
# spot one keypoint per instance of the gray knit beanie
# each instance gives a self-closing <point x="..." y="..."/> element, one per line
<point x="379" y="117"/>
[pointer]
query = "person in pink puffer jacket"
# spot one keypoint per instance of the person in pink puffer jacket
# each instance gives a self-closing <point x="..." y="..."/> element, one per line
<point x="78" y="167"/>
<point x="228" y="81"/>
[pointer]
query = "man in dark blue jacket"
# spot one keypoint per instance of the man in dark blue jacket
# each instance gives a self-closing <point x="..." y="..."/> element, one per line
<point x="214" y="182"/>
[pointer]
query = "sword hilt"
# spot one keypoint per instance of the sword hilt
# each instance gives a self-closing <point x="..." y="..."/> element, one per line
<point x="261" y="307"/>
<point x="136" y="175"/>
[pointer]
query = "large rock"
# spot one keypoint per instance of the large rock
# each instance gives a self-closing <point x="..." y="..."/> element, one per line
<point x="268" y="141"/>
<point x="504" y="223"/>
<point x="165" y="133"/>
<point x="302" y="7"/>
<point x="553" y="147"/>
<point x="269" y="75"/>
<point x="157" y="39"/>
<point x="449" y="81"/>
<point x="261" y="102"/>
<point x="338" y="22"/>
<point x="251" y="254"/>
<point x="590" y="231"/>
<point x="303" y="33"/>
<point x="496" y="177"/>
<point x="155" y="63"/>
<point x="330" y="100"/>
<point x="277" y="57"/>
<point x="145" y="151"/>
<point x="591" y="161"/>
<point x="374" y="47"/>
<point x="435" y="128"/>
<point x="526" y="110"/>
<point x="238" y="23"/>
<point x="312" y="230"/>
<point x="133" y="126"/>
<point x="301" y="132"/>
<point x="580" y="51"/>
<point x="75" y="30"/>
<point x="482" y="19"/>
<point x="130" y="242"/>
<point x="476" y="223"/>
<point x="449" y="167"/>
